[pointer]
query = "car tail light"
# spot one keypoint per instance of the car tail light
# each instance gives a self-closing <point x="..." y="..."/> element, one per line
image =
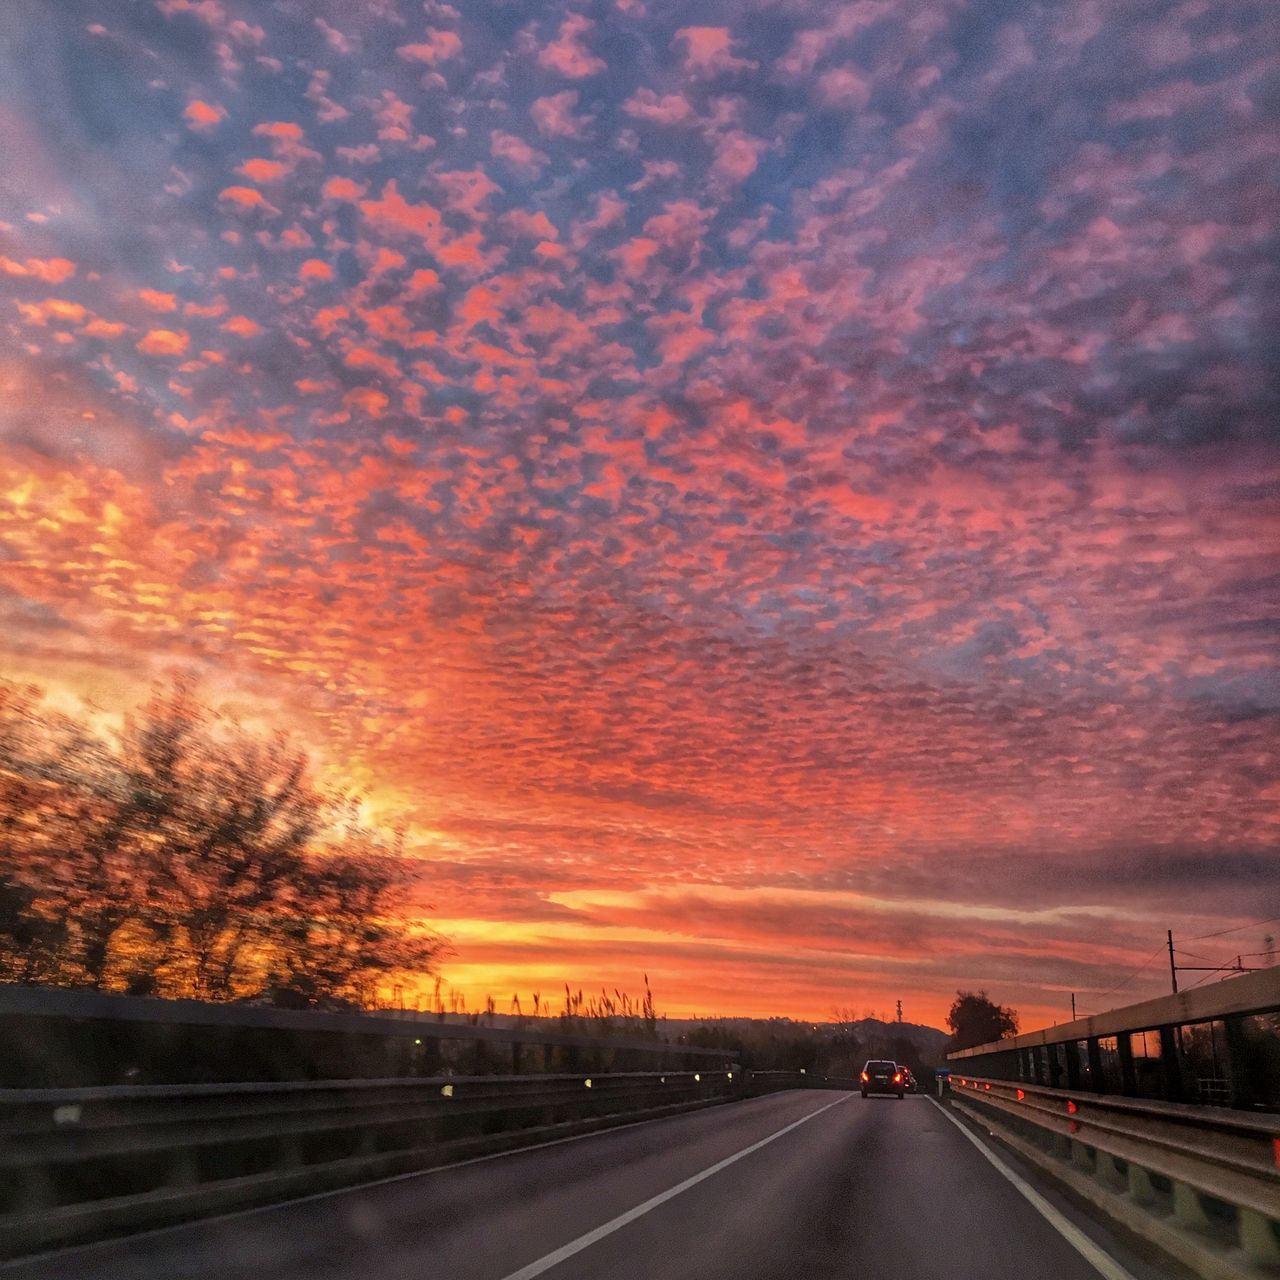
<point x="897" y="1077"/>
<point x="865" y="1076"/>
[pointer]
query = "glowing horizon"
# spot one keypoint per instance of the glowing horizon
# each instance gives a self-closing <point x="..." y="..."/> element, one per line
<point x="781" y="496"/>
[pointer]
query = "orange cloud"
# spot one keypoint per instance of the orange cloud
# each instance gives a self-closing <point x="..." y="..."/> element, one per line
<point x="47" y="270"/>
<point x="315" y="269"/>
<point x="203" y="116"/>
<point x="343" y="189"/>
<point x="245" y="197"/>
<point x="163" y="342"/>
<point x="154" y="300"/>
<point x="260" y="170"/>
<point x="242" y="327"/>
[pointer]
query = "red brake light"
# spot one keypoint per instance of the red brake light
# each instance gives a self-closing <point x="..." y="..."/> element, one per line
<point x="865" y="1076"/>
<point x="897" y="1077"/>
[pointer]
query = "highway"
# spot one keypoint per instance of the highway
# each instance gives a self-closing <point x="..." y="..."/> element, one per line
<point x="802" y="1185"/>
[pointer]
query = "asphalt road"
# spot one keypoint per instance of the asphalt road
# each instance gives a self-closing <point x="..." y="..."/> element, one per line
<point x="830" y="1185"/>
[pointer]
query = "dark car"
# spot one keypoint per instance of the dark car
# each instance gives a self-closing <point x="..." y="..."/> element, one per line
<point x="882" y="1076"/>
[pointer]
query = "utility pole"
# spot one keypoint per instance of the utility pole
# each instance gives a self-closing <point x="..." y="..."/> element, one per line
<point x="1173" y="968"/>
<point x="1073" y="1006"/>
<point x="899" y="1010"/>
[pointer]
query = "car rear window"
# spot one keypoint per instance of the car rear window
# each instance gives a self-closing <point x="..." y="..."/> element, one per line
<point x="880" y="1066"/>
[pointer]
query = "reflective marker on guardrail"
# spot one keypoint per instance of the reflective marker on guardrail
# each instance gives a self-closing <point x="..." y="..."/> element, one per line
<point x="447" y="1090"/>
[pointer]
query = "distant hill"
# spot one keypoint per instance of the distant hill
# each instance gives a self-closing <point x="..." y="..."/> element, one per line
<point x="872" y="1034"/>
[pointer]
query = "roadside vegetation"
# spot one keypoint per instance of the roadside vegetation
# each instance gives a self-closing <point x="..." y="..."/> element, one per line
<point x="186" y="857"/>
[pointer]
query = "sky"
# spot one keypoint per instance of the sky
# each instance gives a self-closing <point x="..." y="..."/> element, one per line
<point x="782" y="496"/>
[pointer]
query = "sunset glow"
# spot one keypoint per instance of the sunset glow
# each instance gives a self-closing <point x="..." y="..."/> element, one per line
<point x="782" y="496"/>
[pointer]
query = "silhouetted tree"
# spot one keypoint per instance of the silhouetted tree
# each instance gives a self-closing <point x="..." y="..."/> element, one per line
<point x="185" y="856"/>
<point x="975" y="1019"/>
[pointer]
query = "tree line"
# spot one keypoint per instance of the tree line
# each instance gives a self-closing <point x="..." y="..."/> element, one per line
<point x="183" y="855"/>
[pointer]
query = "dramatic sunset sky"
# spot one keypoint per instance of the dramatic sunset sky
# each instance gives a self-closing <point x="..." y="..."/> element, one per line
<point x="783" y="495"/>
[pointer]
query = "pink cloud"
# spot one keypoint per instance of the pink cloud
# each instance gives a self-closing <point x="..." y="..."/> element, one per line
<point x="516" y="152"/>
<point x="534" y="226"/>
<point x="843" y="87"/>
<point x="708" y="51"/>
<point x="669" y="108"/>
<point x="315" y="269"/>
<point x="553" y="116"/>
<point x="736" y="155"/>
<point x="567" y="54"/>
<point x="343" y="189"/>
<point x="439" y="46"/>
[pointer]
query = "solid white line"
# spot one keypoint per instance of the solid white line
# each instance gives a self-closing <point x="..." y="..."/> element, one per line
<point x="586" y="1241"/>
<point x="1101" y="1261"/>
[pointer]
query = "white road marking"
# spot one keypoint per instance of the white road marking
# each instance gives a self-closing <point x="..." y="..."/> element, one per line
<point x="176" y="1228"/>
<point x="556" y="1257"/>
<point x="1101" y="1261"/>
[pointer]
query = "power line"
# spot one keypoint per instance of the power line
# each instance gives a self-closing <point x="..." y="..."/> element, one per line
<point x="1146" y="964"/>
<point x="1256" y="924"/>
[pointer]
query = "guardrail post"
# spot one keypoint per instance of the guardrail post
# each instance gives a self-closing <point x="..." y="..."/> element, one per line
<point x="1170" y="1065"/>
<point x="1080" y="1157"/>
<point x="1141" y="1188"/>
<point x="1106" y="1172"/>
<point x="1187" y="1207"/>
<point x="1128" y="1075"/>
<point x="1094" y="1050"/>
<point x="1258" y="1238"/>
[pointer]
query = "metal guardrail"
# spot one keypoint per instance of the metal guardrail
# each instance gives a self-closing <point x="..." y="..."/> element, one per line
<point x="84" y="1164"/>
<point x="1202" y="1183"/>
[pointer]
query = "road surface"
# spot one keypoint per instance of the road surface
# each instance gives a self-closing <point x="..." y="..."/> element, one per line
<point x="803" y="1185"/>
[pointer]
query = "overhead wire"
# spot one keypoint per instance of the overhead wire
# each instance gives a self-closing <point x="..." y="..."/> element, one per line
<point x="1146" y="964"/>
<point x="1255" y="924"/>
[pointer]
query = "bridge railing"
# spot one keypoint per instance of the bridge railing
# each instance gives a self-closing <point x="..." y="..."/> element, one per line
<point x="1217" y="1044"/>
<point x="84" y="1164"/>
<point x="1203" y="1183"/>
